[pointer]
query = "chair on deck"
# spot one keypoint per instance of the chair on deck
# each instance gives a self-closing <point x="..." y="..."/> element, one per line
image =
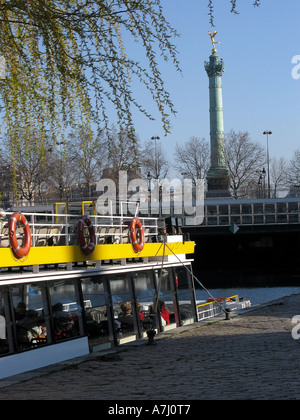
<point x="42" y="236"/>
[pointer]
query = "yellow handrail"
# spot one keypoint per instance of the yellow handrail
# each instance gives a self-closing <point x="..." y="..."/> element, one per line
<point x="209" y="303"/>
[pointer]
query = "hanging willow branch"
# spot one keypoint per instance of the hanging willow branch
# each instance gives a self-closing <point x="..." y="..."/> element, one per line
<point x="234" y="9"/>
<point x="67" y="61"/>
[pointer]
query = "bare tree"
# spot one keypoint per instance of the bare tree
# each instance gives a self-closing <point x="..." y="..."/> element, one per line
<point x="193" y="158"/>
<point x="153" y="161"/>
<point x="294" y="169"/>
<point x="31" y="168"/>
<point x="62" y="176"/>
<point x="244" y="159"/>
<point x="88" y="154"/>
<point x="278" y="174"/>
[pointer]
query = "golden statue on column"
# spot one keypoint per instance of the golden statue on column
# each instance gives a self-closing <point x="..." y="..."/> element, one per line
<point x="212" y="37"/>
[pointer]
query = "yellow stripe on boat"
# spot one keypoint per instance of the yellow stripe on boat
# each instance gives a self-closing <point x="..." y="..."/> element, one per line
<point x="69" y="254"/>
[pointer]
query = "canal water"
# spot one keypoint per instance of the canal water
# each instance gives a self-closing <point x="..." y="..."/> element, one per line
<point x="256" y="295"/>
<point x="258" y="285"/>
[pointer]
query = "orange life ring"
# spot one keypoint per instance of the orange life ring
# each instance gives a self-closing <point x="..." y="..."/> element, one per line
<point x="19" y="251"/>
<point x="86" y="249"/>
<point x="137" y="234"/>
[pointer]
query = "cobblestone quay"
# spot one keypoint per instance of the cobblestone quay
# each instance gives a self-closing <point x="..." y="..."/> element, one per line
<point x="251" y="356"/>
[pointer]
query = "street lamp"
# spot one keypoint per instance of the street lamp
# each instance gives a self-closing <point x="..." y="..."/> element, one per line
<point x="149" y="177"/>
<point x="156" y="157"/>
<point x="262" y="181"/>
<point x="267" y="133"/>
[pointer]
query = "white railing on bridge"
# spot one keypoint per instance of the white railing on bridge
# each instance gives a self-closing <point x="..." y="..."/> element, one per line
<point x="227" y="212"/>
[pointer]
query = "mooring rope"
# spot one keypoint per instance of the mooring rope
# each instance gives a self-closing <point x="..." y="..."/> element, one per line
<point x="197" y="280"/>
<point x="160" y="278"/>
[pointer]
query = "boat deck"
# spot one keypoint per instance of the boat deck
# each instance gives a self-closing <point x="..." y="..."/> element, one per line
<point x="55" y="242"/>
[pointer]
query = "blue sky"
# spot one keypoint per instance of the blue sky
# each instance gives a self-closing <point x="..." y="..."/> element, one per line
<point x="259" y="92"/>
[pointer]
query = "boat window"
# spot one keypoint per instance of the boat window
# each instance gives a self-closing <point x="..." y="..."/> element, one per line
<point x="185" y="295"/>
<point x="166" y="303"/>
<point x="66" y="309"/>
<point x="31" y="322"/>
<point x="125" y="323"/>
<point x="145" y="294"/>
<point x="4" y="322"/>
<point x="95" y="311"/>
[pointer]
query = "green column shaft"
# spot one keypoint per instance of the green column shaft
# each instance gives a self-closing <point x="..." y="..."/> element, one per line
<point x="218" y="173"/>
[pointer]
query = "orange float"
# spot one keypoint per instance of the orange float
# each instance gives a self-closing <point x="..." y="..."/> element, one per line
<point x="137" y="235"/>
<point x="19" y="251"/>
<point x="87" y="249"/>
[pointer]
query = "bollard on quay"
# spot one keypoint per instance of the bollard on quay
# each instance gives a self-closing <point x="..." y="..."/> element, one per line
<point x="150" y="331"/>
<point x="227" y="314"/>
<point x="150" y="334"/>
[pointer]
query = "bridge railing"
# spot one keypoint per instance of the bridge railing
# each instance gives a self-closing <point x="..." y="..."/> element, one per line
<point x="251" y="212"/>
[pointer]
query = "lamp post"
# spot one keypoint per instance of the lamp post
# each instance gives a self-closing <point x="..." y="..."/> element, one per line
<point x="267" y="133"/>
<point x="149" y="177"/>
<point x="156" y="157"/>
<point x="262" y="182"/>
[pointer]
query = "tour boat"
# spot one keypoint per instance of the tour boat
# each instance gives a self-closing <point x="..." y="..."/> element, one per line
<point x="73" y="282"/>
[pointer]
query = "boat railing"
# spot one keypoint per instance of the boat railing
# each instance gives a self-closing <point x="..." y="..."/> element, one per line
<point x="211" y="309"/>
<point x="61" y="229"/>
